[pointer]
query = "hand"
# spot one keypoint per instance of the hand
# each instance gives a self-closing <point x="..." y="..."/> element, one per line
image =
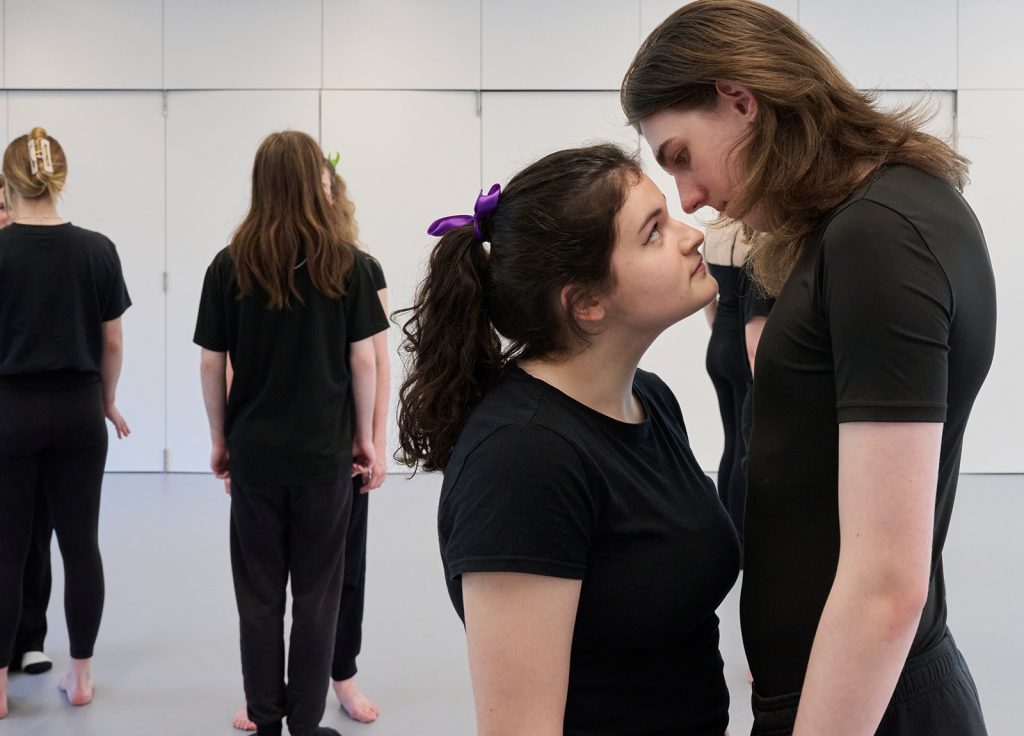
<point x="227" y="485"/>
<point x="363" y="455"/>
<point x="219" y="462"/>
<point x="378" y="471"/>
<point x="120" y="425"/>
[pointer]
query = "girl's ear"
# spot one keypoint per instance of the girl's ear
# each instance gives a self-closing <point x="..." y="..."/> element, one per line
<point x="587" y="309"/>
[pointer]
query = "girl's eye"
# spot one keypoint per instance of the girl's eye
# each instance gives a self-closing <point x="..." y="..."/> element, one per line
<point x="681" y="159"/>
<point x="655" y="235"/>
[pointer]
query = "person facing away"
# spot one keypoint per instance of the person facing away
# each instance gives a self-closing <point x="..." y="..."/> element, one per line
<point x="28" y="656"/>
<point x="348" y="637"/>
<point x="867" y="367"/>
<point x="62" y="295"/>
<point x="296" y="311"/>
<point x="583" y="547"/>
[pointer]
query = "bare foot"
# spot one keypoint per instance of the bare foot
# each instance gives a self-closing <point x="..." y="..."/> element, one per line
<point x="77" y="687"/>
<point x="358" y="706"/>
<point x="242" y="722"/>
<point x="3" y="692"/>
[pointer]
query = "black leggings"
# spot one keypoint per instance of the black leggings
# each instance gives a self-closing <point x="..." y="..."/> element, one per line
<point x="52" y="441"/>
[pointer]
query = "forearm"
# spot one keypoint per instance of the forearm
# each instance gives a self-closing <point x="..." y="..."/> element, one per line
<point x="859" y="650"/>
<point x="110" y="371"/>
<point x="383" y="391"/>
<point x="887" y="479"/>
<point x="363" y="365"/>
<point x="214" y="383"/>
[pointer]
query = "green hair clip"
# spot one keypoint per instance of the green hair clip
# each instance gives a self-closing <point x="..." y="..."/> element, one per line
<point x="333" y="159"/>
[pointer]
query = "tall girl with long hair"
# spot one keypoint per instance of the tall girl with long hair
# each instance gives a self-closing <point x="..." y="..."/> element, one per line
<point x="62" y="295"/>
<point x="867" y="367"/>
<point x="295" y="310"/>
<point x="583" y="547"/>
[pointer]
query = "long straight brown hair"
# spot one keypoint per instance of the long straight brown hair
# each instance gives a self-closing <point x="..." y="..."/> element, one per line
<point x="290" y="223"/>
<point x="813" y="133"/>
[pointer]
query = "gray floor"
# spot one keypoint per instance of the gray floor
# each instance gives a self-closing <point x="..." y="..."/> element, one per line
<point x="167" y="659"/>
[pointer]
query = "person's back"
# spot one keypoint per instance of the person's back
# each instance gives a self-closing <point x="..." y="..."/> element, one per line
<point x="56" y="287"/>
<point x="290" y="303"/>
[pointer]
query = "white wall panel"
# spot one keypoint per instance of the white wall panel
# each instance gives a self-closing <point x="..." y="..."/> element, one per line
<point x="398" y="184"/>
<point x="211" y="142"/>
<point x="402" y="44"/>
<point x="520" y="127"/>
<point x="571" y="44"/>
<point x="653" y="12"/>
<point x="989" y="135"/>
<point x="242" y="44"/>
<point x="69" y="44"/>
<point x="114" y="142"/>
<point x="991" y="55"/>
<point x="910" y="44"/>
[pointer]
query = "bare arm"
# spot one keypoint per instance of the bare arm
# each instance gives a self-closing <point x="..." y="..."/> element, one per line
<point x="380" y="403"/>
<point x="888" y="474"/>
<point x="363" y="366"/>
<point x="110" y="373"/>
<point x="212" y="368"/>
<point x="752" y="335"/>
<point x="519" y="631"/>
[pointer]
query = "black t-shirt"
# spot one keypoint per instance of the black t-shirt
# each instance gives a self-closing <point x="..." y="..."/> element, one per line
<point x="376" y="271"/>
<point x="888" y="316"/>
<point x="289" y="413"/>
<point x="58" y="285"/>
<point x="539" y="483"/>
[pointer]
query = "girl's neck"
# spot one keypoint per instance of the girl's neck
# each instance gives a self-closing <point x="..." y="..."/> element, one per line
<point x="39" y="211"/>
<point x="600" y="376"/>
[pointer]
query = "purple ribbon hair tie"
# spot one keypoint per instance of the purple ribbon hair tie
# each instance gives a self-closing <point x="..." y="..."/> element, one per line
<point x="485" y="206"/>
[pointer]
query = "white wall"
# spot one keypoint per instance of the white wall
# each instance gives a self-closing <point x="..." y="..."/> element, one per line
<point x="161" y="104"/>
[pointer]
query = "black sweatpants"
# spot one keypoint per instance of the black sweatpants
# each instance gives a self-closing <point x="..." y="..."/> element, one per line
<point x="38" y="580"/>
<point x="935" y="696"/>
<point x="280" y="533"/>
<point x="348" y="639"/>
<point x="52" y="441"/>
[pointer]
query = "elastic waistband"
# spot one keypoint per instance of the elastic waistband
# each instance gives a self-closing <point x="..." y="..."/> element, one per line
<point x="922" y="672"/>
<point x="927" y="669"/>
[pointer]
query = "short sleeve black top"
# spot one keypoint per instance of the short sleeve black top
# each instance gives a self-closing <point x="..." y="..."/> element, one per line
<point x="539" y="483"/>
<point x="889" y="316"/>
<point x="58" y="285"/>
<point x="289" y="413"/>
<point x="376" y="271"/>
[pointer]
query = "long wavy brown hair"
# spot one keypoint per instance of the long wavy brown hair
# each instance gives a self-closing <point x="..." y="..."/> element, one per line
<point x="344" y="205"/>
<point x="481" y="307"/>
<point x="814" y="131"/>
<point x="290" y="223"/>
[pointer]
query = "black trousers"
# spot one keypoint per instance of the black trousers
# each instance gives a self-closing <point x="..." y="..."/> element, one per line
<point x="38" y="580"/>
<point x="935" y="696"/>
<point x="52" y="441"/>
<point x="348" y="639"/>
<point x="282" y="533"/>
